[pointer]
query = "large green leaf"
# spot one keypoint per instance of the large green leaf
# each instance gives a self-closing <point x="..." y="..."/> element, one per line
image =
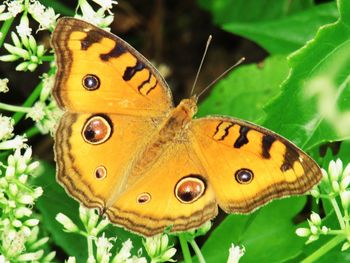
<point x="313" y="106"/>
<point x="54" y="201"/>
<point x="283" y="27"/>
<point x="245" y="91"/>
<point x="268" y="234"/>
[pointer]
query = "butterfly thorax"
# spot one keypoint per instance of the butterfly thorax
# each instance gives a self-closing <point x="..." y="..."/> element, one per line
<point x="174" y="129"/>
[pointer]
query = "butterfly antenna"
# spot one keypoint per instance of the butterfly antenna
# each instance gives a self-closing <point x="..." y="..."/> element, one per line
<point x="200" y="65"/>
<point x="221" y="76"/>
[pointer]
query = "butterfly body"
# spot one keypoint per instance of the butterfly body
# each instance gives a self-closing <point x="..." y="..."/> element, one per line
<point x="122" y="146"/>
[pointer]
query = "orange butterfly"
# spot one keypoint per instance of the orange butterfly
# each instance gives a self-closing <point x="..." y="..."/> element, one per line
<point x="124" y="148"/>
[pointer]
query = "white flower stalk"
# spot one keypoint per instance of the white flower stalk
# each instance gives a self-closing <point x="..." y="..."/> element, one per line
<point x="158" y="248"/>
<point x="235" y="253"/>
<point x="3" y="85"/>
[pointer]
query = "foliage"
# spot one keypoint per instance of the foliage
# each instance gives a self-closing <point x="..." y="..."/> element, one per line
<point x="302" y="95"/>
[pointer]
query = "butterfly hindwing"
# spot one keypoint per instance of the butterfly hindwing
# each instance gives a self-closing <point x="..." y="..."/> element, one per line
<point x="173" y="192"/>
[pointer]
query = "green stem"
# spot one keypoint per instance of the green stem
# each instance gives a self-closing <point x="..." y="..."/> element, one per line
<point x="4" y="30"/>
<point x="90" y="249"/>
<point x="338" y="212"/>
<point x="185" y="249"/>
<point x="32" y="132"/>
<point x="324" y="249"/>
<point x="31" y="99"/>
<point x="14" y="108"/>
<point x="197" y="250"/>
<point x="47" y="58"/>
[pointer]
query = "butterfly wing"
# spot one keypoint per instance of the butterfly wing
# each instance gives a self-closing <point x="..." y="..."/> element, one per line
<point x="97" y="71"/>
<point x="93" y="169"/>
<point x="174" y="192"/>
<point x="248" y="165"/>
<point x="114" y="100"/>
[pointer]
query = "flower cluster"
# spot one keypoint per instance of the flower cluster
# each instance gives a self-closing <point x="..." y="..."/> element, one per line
<point x="334" y="184"/>
<point x="158" y="248"/>
<point x="93" y="227"/>
<point x="45" y="111"/>
<point x="99" y="17"/>
<point x="25" y="48"/>
<point x="45" y="16"/>
<point x="18" y="226"/>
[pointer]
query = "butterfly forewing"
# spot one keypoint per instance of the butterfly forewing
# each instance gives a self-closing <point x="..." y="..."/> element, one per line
<point x="97" y="71"/>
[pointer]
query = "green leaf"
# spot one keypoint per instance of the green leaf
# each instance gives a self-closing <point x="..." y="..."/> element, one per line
<point x="245" y="91"/>
<point x="315" y="95"/>
<point x="268" y="234"/>
<point x="54" y="201"/>
<point x="281" y="28"/>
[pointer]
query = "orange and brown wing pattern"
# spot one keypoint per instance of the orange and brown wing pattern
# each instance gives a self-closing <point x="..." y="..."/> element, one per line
<point x="97" y="71"/>
<point x="248" y="165"/>
<point x="94" y="154"/>
<point x="173" y="192"/>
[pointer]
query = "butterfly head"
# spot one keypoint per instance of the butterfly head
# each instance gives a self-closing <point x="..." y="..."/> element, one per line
<point x="189" y="106"/>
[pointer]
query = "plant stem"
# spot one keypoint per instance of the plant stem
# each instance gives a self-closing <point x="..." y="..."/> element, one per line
<point x="185" y="249"/>
<point x="337" y="212"/>
<point x="197" y="250"/>
<point x="32" y="132"/>
<point x="90" y="249"/>
<point x="4" y="29"/>
<point x="324" y="249"/>
<point x="14" y="108"/>
<point x="47" y="58"/>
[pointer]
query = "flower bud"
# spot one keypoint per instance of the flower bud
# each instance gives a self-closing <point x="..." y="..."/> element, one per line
<point x="345" y="199"/>
<point x="303" y="232"/>
<point x="315" y="219"/>
<point x="67" y="223"/>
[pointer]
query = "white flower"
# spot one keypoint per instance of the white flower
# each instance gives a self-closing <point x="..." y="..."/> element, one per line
<point x="90" y="15"/>
<point x="3" y="85"/>
<point x="16" y="143"/>
<point x="2" y="9"/>
<point x="106" y="4"/>
<point x="36" y="8"/>
<point x="6" y="127"/>
<point x="45" y="18"/>
<point x="14" y="7"/>
<point x="37" y="112"/>
<point x="23" y="28"/>
<point x="124" y="253"/>
<point x="103" y="249"/>
<point x="235" y="253"/>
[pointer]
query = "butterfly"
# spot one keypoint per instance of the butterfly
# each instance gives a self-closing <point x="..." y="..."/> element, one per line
<point x="124" y="148"/>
